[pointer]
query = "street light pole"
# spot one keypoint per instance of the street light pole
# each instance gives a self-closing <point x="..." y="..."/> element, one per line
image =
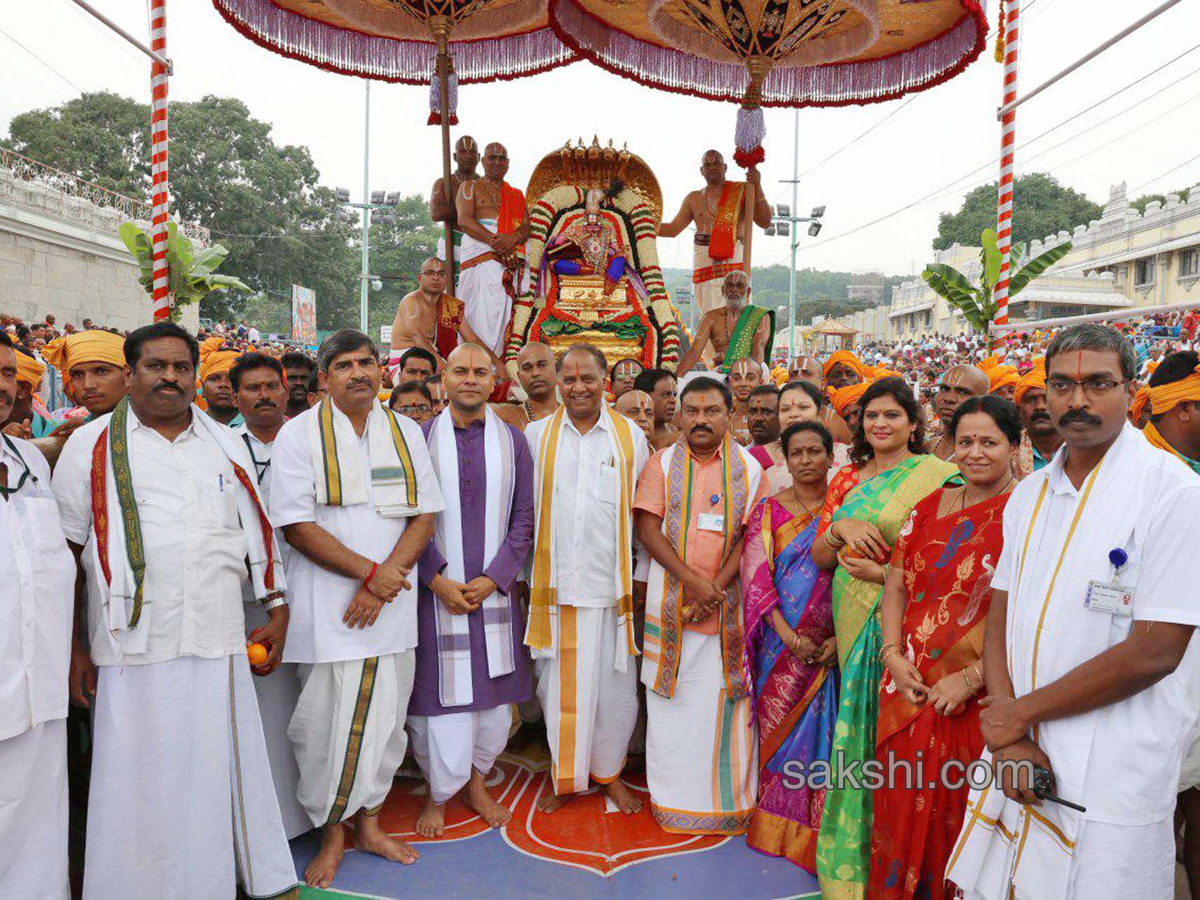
<point x="795" y="238"/>
<point x="366" y="219"/>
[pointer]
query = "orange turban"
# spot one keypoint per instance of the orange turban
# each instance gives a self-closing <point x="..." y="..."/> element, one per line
<point x="847" y="359"/>
<point x="990" y="363"/>
<point x="1001" y="376"/>
<point x="1034" y="378"/>
<point x="214" y="359"/>
<point x="1166" y="397"/>
<point x="844" y="398"/>
<point x="84" y="347"/>
<point x="29" y="370"/>
<point x="881" y="372"/>
<point x="1140" y="399"/>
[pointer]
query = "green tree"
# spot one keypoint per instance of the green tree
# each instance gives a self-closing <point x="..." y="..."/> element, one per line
<point x="260" y="200"/>
<point x="397" y="251"/>
<point x="1141" y="202"/>
<point x="1041" y="207"/>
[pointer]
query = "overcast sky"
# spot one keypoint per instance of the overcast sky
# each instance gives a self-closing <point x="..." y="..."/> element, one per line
<point x="935" y="137"/>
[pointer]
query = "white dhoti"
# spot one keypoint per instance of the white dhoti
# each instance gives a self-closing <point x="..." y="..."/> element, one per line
<point x="277" y="696"/>
<point x="708" y="276"/>
<point x="348" y="733"/>
<point x="182" y="803"/>
<point x="487" y="305"/>
<point x="448" y="747"/>
<point x="1008" y="850"/>
<point x="701" y="747"/>
<point x="590" y="708"/>
<point x="33" y="813"/>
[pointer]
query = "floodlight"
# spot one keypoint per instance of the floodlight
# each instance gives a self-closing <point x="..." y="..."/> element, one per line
<point x="818" y="211"/>
<point x="769" y="231"/>
<point x="783" y="229"/>
<point x="376" y="284"/>
<point x="341" y="195"/>
<point x="377" y="197"/>
<point x="814" y="229"/>
<point x="783" y="210"/>
<point x="393" y="199"/>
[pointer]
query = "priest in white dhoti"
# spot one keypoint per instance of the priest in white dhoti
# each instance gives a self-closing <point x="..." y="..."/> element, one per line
<point x="159" y="502"/>
<point x="580" y="631"/>
<point x="1090" y="658"/>
<point x="38" y="575"/>
<point x="472" y="665"/>
<point x="354" y="492"/>
<point x="492" y="272"/>
<point x="692" y="502"/>
<point x="261" y="394"/>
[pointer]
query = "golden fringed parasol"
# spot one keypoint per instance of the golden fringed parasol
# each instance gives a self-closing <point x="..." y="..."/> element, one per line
<point x="776" y="52"/>
<point x="409" y="41"/>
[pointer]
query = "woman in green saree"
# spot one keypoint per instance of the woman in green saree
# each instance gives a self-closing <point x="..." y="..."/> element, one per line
<point x="867" y="504"/>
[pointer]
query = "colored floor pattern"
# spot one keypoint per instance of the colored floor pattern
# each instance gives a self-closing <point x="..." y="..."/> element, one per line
<point x="585" y="850"/>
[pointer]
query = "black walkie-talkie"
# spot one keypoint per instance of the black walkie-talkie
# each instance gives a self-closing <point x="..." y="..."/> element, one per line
<point x="1043" y="787"/>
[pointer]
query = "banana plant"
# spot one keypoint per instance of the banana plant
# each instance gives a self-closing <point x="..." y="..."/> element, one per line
<point x="975" y="300"/>
<point x="192" y="273"/>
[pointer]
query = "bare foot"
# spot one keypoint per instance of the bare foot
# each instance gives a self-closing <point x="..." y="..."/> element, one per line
<point x="323" y="868"/>
<point x="478" y="799"/>
<point x="626" y="801"/>
<point x="431" y="823"/>
<point x="550" y="803"/>
<point x="370" y="837"/>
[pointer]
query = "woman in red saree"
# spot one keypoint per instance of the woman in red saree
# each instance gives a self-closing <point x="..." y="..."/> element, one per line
<point x="935" y="601"/>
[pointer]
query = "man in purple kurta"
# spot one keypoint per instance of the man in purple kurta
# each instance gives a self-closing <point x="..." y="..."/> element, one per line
<point x="471" y="660"/>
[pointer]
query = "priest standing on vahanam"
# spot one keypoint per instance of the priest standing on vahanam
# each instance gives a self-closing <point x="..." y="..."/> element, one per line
<point x="161" y="507"/>
<point x="1090" y="658"/>
<point x="472" y="664"/>
<point x="355" y="494"/>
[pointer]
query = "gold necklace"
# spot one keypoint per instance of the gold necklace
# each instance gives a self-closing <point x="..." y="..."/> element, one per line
<point x="963" y="497"/>
<point x="800" y="503"/>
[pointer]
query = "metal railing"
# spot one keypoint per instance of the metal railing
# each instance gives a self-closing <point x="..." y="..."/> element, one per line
<point x="22" y="168"/>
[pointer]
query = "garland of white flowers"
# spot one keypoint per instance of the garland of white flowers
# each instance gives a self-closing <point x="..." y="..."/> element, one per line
<point x="645" y="237"/>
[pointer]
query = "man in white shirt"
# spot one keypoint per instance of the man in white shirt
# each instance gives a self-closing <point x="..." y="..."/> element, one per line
<point x="163" y="515"/>
<point x="354" y="491"/>
<point x="580" y="628"/>
<point x="1090" y="659"/>
<point x="37" y="573"/>
<point x="260" y="391"/>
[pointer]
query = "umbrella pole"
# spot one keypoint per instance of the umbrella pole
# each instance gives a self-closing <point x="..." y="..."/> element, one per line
<point x="748" y="222"/>
<point x="443" y="70"/>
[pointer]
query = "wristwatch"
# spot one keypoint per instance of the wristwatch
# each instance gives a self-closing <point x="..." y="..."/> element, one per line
<point x="274" y="601"/>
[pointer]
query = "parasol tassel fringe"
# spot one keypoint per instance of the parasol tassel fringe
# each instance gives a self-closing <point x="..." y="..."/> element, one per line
<point x="435" y="99"/>
<point x="748" y="136"/>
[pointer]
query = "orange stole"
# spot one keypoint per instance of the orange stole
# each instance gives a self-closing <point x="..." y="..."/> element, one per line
<point x="723" y="241"/>
<point x="512" y="211"/>
<point x="449" y="319"/>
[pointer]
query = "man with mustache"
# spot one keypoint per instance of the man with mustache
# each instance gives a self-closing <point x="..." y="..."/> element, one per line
<point x="958" y="385"/>
<point x="471" y="660"/>
<point x="580" y="626"/>
<point x="262" y="395"/>
<point x="1041" y="439"/>
<point x="162" y="509"/>
<point x="692" y="502"/>
<point x="35" y="648"/>
<point x="299" y="368"/>
<point x="660" y="385"/>
<point x="354" y="491"/>
<point x="1089" y="661"/>
<point x="737" y="330"/>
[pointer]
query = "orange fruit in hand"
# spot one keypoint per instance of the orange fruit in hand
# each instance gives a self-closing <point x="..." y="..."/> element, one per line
<point x="258" y="654"/>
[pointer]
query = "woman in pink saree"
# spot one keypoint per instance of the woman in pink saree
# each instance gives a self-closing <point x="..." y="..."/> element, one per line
<point x="790" y="648"/>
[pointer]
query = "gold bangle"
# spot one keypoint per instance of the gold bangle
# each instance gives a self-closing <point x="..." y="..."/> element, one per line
<point x="967" y="681"/>
<point x="887" y="648"/>
<point x="833" y="540"/>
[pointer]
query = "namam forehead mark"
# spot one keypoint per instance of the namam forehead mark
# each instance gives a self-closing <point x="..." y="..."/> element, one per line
<point x="713" y="155"/>
<point x="495" y="149"/>
<point x="431" y="265"/>
<point x="470" y="355"/>
<point x="635" y="401"/>
<point x="466" y="142"/>
<point x="744" y="366"/>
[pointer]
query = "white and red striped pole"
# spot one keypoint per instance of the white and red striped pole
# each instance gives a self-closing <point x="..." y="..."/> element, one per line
<point x="160" y="293"/>
<point x="1008" y="138"/>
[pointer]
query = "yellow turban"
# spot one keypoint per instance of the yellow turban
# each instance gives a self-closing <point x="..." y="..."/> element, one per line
<point x="29" y="370"/>
<point x="214" y="359"/>
<point x="1140" y="399"/>
<point x="1034" y="378"/>
<point x="1166" y="397"/>
<point x="881" y="372"/>
<point x="1001" y="376"/>
<point x="847" y="359"/>
<point x="84" y="347"/>
<point x="844" y="398"/>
